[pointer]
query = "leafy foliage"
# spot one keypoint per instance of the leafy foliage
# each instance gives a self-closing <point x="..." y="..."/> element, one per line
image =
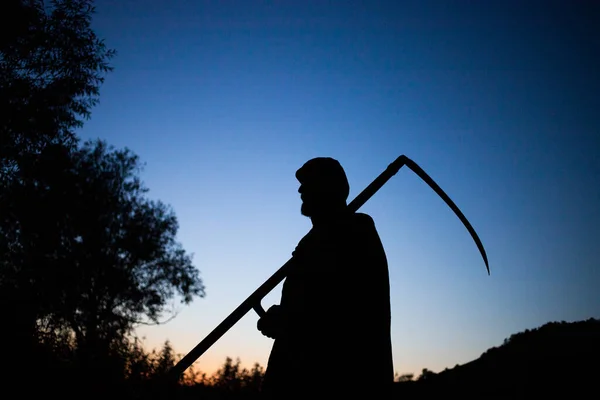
<point x="51" y="67"/>
<point x="85" y="255"/>
<point x="86" y="250"/>
<point x="233" y="378"/>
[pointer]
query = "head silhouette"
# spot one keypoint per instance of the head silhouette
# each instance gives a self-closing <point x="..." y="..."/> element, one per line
<point x="323" y="188"/>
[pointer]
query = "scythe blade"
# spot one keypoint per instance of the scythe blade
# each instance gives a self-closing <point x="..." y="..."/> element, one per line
<point x="423" y="175"/>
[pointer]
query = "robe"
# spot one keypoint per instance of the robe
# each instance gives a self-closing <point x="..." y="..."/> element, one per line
<point x="335" y="337"/>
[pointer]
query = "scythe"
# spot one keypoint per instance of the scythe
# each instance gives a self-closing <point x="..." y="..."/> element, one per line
<point x="253" y="301"/>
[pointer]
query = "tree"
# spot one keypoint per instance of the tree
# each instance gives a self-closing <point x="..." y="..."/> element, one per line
<point x="51" y="67"/>
<point x="426" y="374"/>
<point x="166" y="359"/>
<point x="84" y="254"/>
<point x="255" y="377"/>
<point x="405" y="378"/>
<point x="106" y="256"/>
<point x="230" y="376"/>
<point x="233" y="378"/>
<point x="90" y="256"/>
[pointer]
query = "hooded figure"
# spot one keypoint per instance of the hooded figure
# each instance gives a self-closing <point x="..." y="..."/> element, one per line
<point x="332" y="327"/>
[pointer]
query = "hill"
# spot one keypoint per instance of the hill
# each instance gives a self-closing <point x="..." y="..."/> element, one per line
<point x="558" y="358"/>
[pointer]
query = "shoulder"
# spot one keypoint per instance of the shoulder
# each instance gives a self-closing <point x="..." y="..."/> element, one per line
<point x="362" y="218"/>
<point x="363" y="221"/>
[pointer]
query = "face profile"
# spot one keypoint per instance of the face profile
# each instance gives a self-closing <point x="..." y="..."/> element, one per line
<point x="323" y="187"/>
<point x="314" y="201"/>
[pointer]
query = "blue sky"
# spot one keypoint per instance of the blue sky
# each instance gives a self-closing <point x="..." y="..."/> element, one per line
<point x="496" y="101"/>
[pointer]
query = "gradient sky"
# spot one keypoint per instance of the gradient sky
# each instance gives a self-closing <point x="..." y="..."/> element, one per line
<point x="497" y="101"/>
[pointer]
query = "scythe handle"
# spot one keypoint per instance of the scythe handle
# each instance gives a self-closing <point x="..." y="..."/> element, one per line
<point x="253" y="301"/>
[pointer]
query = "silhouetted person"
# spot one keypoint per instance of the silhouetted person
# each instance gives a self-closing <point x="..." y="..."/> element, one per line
<point x="332" y="327"/>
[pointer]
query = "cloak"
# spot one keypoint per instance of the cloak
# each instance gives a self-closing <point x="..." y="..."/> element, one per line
<point x="334" y="336"/>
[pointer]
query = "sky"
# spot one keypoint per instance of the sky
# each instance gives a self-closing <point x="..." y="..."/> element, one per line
<point x="497" y="101"/>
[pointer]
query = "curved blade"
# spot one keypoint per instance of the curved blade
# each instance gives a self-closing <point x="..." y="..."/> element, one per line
<point x="423" y="175"/>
